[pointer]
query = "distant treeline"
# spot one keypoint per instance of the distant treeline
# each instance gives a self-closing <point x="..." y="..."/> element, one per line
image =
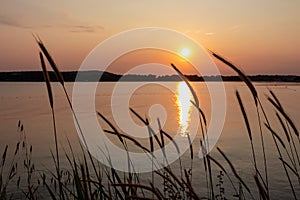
<point x="93" y="76"/>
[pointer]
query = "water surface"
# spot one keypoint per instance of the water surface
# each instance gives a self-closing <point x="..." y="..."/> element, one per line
<point x="28" y="102"/>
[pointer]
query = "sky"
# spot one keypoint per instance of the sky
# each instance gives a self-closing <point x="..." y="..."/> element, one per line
<point x="262" y="37"/>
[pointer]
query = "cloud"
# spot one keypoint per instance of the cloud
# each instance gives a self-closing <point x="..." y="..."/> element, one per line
<point x="11" y="22"/>
<point x="85" y="29"/>
<point x="209" y="33"/>
<point x="82" y="28"/>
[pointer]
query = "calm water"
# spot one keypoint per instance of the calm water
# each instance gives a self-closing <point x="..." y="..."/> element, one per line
<point x="28" y="102"/>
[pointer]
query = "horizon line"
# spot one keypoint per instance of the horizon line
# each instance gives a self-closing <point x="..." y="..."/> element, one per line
<point x="119" y="74"/>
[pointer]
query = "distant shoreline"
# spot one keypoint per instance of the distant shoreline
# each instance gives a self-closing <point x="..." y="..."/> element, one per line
<point x="93" y="76"/>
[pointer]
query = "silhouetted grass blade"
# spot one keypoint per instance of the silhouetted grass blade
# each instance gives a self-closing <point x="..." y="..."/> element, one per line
<point x="188" y="84"/>
<point x="242" y="75"/>
<point x="47" y="79"/>
<point x="223" y="169"/>
<point x="233" y="170"/>
<point x="262" y="191"/>
<point x="280" y="109"/>
<point x="200" y="111"/>
<point x="276" y="135"/>
<point x="289" y="166"/>
<point x="112" y="127"/>
<point x="284" y="128"/>
<point x="129" y="138"/>
<point x="50" y="60"/>
<point x="190" y="187"/>
<point x="244" y="114"/>
<point x="4" y="155"/>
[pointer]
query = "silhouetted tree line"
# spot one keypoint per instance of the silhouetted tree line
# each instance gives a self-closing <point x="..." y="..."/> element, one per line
<point x="93" y="76"/>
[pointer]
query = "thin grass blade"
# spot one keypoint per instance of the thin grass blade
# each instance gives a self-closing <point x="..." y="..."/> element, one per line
<point x="276" y="135"/>
<point x="50" y="60"/>
<point x="47" y="79"/>
<point x="188" y="84"/>
<point x="280" y="109"/>
<point x="244" y="115"/>
<point x="233" y="170"/>
<point x="241" y="74"/>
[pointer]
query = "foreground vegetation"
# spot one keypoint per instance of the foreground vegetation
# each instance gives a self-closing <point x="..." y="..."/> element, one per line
<point x="88" y="179"/>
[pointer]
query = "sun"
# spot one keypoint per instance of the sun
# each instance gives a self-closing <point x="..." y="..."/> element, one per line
<point x="185" y="52"/>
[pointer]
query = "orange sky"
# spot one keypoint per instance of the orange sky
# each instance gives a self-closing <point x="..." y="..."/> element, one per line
<point x="260" y="36"/>
<point x="140" y="57"/>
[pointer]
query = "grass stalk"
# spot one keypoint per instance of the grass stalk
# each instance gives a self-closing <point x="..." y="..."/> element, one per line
<point x="248" y="128"/>
<point x="235" y="172"/>
<point x="204" y="134"/>
<point x="51" y="102"/>
<point x="263" y="150"/>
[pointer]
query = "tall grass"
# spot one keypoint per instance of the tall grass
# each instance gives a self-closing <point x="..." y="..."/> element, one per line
<point x="50" y="96"/>
<point x="88" y="179"/>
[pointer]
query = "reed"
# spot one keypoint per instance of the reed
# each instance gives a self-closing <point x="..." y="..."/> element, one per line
<point x="205" y="138"/>
<point x="290" y="141"/>
<point x="49" y="58"/>
<point x="50" y="97"/>
<point x="234" y="171"/>
<point x="223" y="170"/>
<point x="255" y="96"/>
<point x="84" y="177"/>
<point x="241" y="74"/>
<point x="262" y="191"/>
<point x="286" y="128"/>
<point x="248" y="128"/>
<point x="267" y="124"/>
<point x="285" y="115"/>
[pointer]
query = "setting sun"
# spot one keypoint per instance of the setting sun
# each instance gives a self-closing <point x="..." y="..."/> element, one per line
<point x="185" y="52"/>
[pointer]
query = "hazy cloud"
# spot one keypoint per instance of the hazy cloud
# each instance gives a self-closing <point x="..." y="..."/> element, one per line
<point x="209" y="33"/>
<point x="7" y="21"/>
<point x="12" y="22"/>
<point x="85" y="28"/>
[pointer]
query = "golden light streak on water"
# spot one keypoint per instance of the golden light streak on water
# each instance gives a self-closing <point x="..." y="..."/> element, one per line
<point x="183" y="98"/>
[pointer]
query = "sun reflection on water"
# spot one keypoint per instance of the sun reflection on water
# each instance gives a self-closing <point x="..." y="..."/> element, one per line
<point x="183" y="97"/>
